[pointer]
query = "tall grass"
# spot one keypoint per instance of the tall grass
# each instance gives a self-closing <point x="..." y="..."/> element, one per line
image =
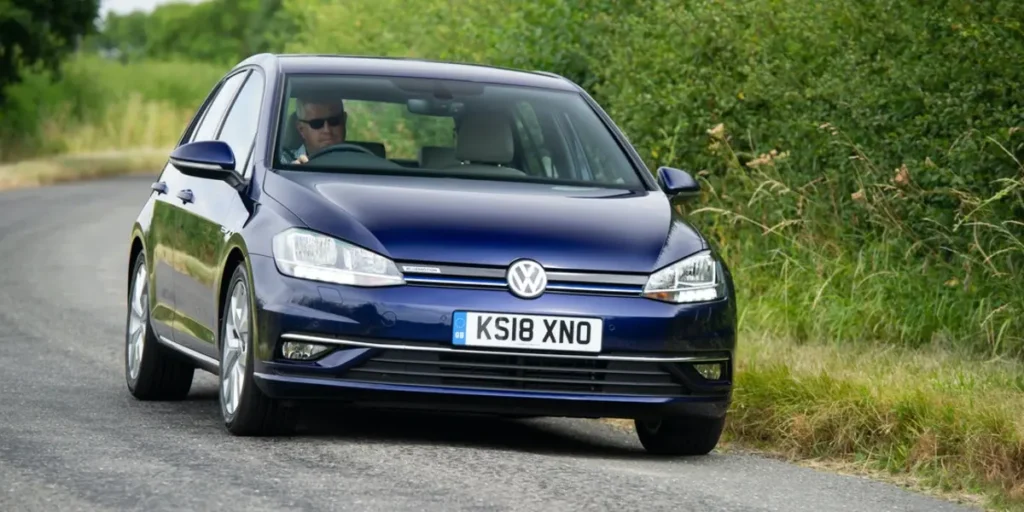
<point x="819" y="263"/>
<point x="97" y="104"/>
<point x="861" y="168"/>
<point x="952" y="425"/>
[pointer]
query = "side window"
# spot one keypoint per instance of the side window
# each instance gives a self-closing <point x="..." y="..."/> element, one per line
<point x="240" y="126"/>
<point x="211" y="119"/>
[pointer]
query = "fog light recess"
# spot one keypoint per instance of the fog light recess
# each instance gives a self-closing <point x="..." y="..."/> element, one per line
<point x="303" y="351"/>
<point x="710" y="371"/>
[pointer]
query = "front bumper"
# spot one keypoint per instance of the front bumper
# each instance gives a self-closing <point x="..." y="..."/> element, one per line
<point x="393" y="346"/>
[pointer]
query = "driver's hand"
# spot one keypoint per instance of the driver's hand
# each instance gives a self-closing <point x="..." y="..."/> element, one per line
<point x="301" y="159"/>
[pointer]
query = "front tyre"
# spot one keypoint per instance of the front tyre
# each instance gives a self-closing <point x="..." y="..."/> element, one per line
<point x="680" y="435"/>
<point x="151" y="371"/>
<point x="245" y="409"/>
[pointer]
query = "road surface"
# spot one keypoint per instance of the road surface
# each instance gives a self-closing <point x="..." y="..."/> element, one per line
<point x="71" y="438"/>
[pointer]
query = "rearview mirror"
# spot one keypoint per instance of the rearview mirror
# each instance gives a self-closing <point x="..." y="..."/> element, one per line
<point x="434" y="107"/>
<point x="211" y="159"/>
<point x="677" y="182"/>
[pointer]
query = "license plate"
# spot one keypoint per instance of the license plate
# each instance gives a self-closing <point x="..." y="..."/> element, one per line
<point x="501" y="330"/>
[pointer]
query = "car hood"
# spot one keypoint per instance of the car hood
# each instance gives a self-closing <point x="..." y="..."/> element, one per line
<point x="476" y="222"/>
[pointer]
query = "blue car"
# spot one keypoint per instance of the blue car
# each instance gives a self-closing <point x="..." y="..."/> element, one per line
<point x="408" y="233"/>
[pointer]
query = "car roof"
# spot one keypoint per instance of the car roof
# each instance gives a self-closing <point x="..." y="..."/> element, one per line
<point x="417" y="68"/>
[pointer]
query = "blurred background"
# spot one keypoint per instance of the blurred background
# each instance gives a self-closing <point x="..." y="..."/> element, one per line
<point x="861" y="159"/>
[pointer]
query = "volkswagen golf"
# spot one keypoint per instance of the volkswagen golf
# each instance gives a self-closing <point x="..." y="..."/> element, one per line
<point x="410" y="233"/>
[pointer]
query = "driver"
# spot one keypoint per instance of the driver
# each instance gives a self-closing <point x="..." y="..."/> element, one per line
<point x="320" y="125"/>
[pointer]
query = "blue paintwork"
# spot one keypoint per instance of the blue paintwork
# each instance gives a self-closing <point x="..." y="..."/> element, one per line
<point x="480" y="223"/>
<point x="675" y="181"/>
<point x="429" y="220"/>
<point x="206" y="152"/>
<point x="423" y="313"/>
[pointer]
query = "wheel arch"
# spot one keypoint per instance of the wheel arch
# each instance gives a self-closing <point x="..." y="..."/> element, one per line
<point x="138" y="245"/>
<point x="235" y="255"/>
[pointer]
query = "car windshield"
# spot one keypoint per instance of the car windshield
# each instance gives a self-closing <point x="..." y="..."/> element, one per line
<point x="446" y="128"/>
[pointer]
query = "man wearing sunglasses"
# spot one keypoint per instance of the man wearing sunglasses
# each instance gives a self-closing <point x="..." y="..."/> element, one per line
<point x="320" y="125"/>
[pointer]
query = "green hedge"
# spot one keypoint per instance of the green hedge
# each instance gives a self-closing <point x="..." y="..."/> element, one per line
<point x="861" y="159"/>
<point x="44" y="111"/>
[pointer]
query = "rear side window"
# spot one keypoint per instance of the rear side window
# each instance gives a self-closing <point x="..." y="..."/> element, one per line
<point x="215" y="112"/>
<point x="240" y="126"/>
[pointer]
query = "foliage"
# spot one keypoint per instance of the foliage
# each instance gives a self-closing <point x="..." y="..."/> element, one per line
<point x="860" y="158"/>
<point x="39" y="34"/>
<point x="218" y="31"/>
<point x="949" y="424"/>
<point x="101" y="104"/>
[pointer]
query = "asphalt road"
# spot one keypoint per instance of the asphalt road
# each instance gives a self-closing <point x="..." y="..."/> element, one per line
<point x="71" y="438"/>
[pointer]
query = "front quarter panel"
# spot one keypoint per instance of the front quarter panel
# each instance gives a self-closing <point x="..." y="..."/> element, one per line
<point x="254" y="238"/>
<point x="682" y="240"/>
<point x="269" y="218"/>
<point x="318" y="214"/>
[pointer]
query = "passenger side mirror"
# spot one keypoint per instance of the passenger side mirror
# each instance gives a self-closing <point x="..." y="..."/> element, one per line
<point x="210" y="159"/>
<point x="677" y="182"/>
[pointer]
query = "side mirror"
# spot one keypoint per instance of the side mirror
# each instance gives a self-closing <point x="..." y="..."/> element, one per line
<point x="677" y="182"/>
<point x="210" y="159"/>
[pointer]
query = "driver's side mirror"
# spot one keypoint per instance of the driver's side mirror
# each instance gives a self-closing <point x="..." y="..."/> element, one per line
<point x="210" y="159"/>
<point x="677" y="182"/>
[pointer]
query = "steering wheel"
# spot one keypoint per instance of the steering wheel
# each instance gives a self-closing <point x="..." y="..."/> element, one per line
<point x="344" y="146"/>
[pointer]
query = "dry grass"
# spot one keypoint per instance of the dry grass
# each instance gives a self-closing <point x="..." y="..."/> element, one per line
<point x="925" y="419"/>
<point x="74" y="167"/>
<point x="133" y="122"/>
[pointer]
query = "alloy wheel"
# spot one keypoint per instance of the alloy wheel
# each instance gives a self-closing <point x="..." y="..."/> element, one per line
<point x="236" y="349"/>
<point x="137" y="322"/>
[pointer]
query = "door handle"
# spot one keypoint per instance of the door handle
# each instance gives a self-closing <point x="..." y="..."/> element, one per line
<point x="160" y="187"/>
<point x="186" y="196"/>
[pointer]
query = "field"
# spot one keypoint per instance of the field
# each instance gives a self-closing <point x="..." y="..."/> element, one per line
<point x="861" y="167"/>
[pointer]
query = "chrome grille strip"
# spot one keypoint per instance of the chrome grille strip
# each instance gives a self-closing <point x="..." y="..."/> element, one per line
<point x="624" y="290"/>
<point x="501" y="285"/>
<point x="455" y="281"/>
<point x="429" y="269"/>
<point x="597" y="278"/>
<point x="427" y="273"/>
<point x="447" y="349"/>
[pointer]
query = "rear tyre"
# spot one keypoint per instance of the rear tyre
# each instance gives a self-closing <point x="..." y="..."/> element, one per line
<point x="152" y="371"/>
<point x="246" y="410"/>
<point x="680" y="435"/>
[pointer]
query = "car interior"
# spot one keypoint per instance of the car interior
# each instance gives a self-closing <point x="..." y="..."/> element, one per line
<point x="494" y="134"/>
<point x="484" y="140"/>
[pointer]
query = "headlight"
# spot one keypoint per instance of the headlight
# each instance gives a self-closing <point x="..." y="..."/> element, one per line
<point x="308" y="255"/>
<point x="694" y="279"/>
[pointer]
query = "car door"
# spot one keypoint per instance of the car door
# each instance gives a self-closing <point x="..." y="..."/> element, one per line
<point x="162" y="239"/>
<point x="213" y="212"/>
<point x="178" y="237"/>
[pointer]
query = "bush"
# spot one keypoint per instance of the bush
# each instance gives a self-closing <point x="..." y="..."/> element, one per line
<point x="860" y="158"/>
<point x="99" y="104"/>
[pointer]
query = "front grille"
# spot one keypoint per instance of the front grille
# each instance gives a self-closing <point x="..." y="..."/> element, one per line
<point x="577" y="283"/>
<point x="522" y="373"/>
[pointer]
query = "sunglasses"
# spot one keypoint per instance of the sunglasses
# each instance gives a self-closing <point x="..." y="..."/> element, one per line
<point x="316" y="124"/>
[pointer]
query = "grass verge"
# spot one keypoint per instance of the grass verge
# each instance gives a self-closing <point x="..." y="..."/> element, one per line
<point x="73" y="167"/>
<point x="928" y="419"/>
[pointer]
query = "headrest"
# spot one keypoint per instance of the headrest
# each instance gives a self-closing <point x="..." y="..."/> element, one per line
<point x="437" y="156"/>
<point x="291" y="138"/>
<point x="484" y="137"/>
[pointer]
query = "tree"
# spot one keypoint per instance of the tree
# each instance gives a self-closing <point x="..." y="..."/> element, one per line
<point x="40" y="33"/>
